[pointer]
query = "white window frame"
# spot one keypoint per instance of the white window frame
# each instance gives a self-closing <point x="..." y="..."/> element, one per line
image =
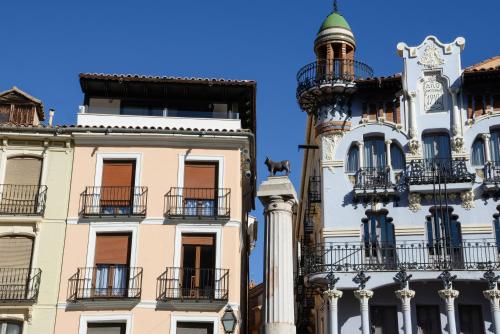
<point x="184" y="318"/>
<point x="95" y="228"/>
<point x="118" y="156"/>
<point x="115" y="318"/>
<point x="23" y="153"/>
<point x="202" y="158"/>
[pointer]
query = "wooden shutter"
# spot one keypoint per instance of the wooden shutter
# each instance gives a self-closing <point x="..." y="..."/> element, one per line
<point x="201" y="180"/>
<point x="15" y="252"/>
<point x="389" y="112"/>
<point x="105" y="328"/>
<point x="112" y="249"/>
<point x="194" y="328"/>
<point x="118" y="174"/>
<point x="23" y="171"/>
<point x="198" y="240"/>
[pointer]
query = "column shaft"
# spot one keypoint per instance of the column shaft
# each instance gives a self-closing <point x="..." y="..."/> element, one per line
<point x="494" y="297"/>
<point x="406" y="295"/>
<point x="333" y="322"/>
<point x="364" y="297"/>
<point x="449" y="296"/>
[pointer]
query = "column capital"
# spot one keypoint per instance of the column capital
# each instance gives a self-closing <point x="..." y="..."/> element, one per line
<point x="405" y="294"/>
<point x="492" y="295"/>
<point x="448" y="294"/>
<point x="363" y="294"/>
<point x="388" y="142"/>
<point x="275" y="190"/>
<point x="485" y="136"/>
<point x="333" y="294"/>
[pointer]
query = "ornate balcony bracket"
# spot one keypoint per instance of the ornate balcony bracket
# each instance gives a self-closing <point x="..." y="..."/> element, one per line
<point x="361" y="279"/>
<point x="491" y="278"/>
<point x="447" y="279"/>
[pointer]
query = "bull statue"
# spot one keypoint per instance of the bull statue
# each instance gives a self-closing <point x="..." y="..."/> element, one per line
<point x="281" y="166"/>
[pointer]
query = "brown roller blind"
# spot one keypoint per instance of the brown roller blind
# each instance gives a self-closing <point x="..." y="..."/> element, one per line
<point x="118" y="174"/>
<point x="200" y="177"/>
<point x="194" y="328"/>
<point x="106" y="328"/>
<point x="23" y="171"/>
<point x="15" y="252"/>
<point x="194" y="239"/>
<point x="112" y="249"/>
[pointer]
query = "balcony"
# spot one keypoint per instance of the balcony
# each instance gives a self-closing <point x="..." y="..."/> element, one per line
<point x="491" y="181"/>
<point x="413" y="255"/>
<point x="374" y="182"/>
<point x="193" y="288"/>
<point x="199" y="203"/>
<point x="22" y="200"/>
<point x="114" y="202"/>
<point x="426" y="174"/>
<point x="314" y="189"/>
<point x="19" y="285"/>
<point x="105" y="287"/>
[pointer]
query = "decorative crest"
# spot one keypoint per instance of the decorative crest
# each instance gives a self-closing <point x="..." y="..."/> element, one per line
<point x="402" y="278"/>
<point x="491" y="278"/>
<point x="335" y="6"/>
<point x="332" y="280"/>
<point x="447" y="279"/>
<point x="360" y="279"/>
<point x="431" y="57"/>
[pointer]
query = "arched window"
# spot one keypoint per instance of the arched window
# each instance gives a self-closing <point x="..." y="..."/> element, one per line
<point x="444" y="234"/>
<point x="478" y="156"/>
<point x="353" y="160"/>
<point x="378" y="237"/>
<point x="375" y="152"/>
<point x="11" y="327"/>
<point x="495" y="147"/>
<point x="397" y="157"/>
<point x="436" y="146"/>
<point x="496" y="218"/>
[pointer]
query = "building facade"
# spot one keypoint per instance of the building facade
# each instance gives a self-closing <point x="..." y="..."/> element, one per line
<point x="35" y="173"/>
<point x="157" y="233"/>
<point x="399" y="187"/>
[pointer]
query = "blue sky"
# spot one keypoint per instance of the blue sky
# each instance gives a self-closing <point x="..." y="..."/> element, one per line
<point x="45" y="44"/>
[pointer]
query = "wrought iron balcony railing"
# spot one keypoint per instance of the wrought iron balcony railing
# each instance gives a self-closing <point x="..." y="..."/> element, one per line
<point x="314" y="189"/>
<point x="417" y="255"/>
<point x="198" y="202"/>
<point x="193" y="284"/>
<point x="430" y="171"/>
<point x="373" y="178"/>
<point x="105" y="282"/>
<point x="22" y="199"/>
<point x="114" y="201"/>
<point x="19" y="284"/>
<point x="323" y="72"/>
<point x="492" y="173"/>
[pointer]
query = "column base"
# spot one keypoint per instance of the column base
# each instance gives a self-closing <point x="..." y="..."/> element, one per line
<point x="279" y="328"/>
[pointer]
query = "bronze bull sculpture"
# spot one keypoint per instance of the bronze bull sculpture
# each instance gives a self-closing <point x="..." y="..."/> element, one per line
<point x="280" y="166"/>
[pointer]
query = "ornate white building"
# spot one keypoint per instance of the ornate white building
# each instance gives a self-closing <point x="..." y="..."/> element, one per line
<point x="398" y="228"/>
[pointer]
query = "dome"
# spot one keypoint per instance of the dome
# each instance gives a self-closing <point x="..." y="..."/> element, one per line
<point x="334" y="20"/>
<point x="335" y="29"/>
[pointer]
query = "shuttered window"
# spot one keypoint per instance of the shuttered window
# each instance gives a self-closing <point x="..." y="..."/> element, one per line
<point x="201" y="180"/>
<point x="194" y="328"/>
<point x="23" y="171"/>
<point x="112" y="249"/>
<point x="15" y="252"/>
<point x="105" y="328"/>
<point x="118" y="173"/>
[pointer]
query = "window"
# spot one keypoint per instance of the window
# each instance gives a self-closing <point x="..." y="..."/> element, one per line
<point x="353" y="160"/>
<point x="437" y="146"/>
<point x="10" y="327"/>
<point x="15" y="266"/>
<point x="200" y="188"/>
<point x="106" y="328"/>
<point x="471" y="319"/>
<point x="428" y="319"/>
<point x="444" y="235"/>
<point x="378" y="237"/>
<point x="198" y="265"/>
<point x="112" y="261"/>
<point x="195" y="328"/>
<point x="397" y="157"/>
<point x="495" y="147"/>
<point x="23" y="171"/>
<point x="497" y="230"/>
<point x="375" y="153"/>
<point x="117" y="187"/>
<point x="384" y="319"/>
<point x="478" y="156"/>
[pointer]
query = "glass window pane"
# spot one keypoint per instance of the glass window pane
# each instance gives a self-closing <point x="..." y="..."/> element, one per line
<point x="477" y="154"/>
<point x="353" y="160"/>
<point x="397" y="157"/>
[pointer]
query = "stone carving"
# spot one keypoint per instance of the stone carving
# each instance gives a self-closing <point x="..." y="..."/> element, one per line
<point x="329" y="142"/>
<point x="331" y="281"/>
<point x="402" y="278"/>
<point x="458" y="144"/>
<point x="467" y="198"/>
<point x="414" y="202"/>
<point x="361" y="279"/>
<point x="433" y="93"/>
<point x="414" y="147"/>
<point x="491" y="278"/>
<point x="282" y="166"/>
<point x="447" y="279"/>
<point x="431" y="57"/>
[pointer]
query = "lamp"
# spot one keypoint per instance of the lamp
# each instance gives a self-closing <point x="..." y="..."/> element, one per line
<point x="229" y="320"/>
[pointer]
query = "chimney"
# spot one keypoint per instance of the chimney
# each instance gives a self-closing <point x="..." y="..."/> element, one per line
<point x="51" y="116"/>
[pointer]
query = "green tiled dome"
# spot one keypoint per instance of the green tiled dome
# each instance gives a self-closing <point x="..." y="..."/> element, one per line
<point x="334" y="20"/>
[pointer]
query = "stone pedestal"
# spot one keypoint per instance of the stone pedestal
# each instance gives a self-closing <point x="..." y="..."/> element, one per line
<point x="406" y="295"/>
<point x="449" y="296"/>
<point x="278" y="197"/>
<point x="494" y="297"/>
<point x="333" y="297"/>
<point x="364" y="297"/>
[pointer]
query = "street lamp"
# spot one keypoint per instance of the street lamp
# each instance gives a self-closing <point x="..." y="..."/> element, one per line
<point x="229" y="320"/>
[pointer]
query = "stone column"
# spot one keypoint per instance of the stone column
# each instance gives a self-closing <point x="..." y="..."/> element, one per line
<point x="449" y="296"/>
<point x="494" y="297"/>
<point x="487" y="150"/>
<point x="406" y="295"/>
<point x="361" y="152"/>
<point x="278" y="197"/>
<point x="333" y="297"/>
<point x="388" y="143"/>
<point x="457" y="126"/>
<point x="364" y="296"/>
<point x="413" y="115"/>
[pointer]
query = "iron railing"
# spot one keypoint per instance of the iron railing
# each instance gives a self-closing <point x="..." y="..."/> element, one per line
<point x="114" y="201"/>
<point x="323" y="72"/>
<point x="371" y="178"/>
<point x="105" y="282"/>
<point x="413" y="255"/>
<point x="431" y="171"/>
<point x="314" y="189"/>
<point x="193" y="284"/>
<point x="198" y="202"/>
<point x="19" y="284"/>
<point x="22" y="199"/>
<point x="492" y="173"/>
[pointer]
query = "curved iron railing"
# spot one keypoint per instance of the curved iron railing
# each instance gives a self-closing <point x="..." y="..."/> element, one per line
<point x="16" y="199"/>
<point x="492" y="173"/>
<point x="370" y="178"/>
<point x="323" y="72"/>
<point x="413" y="255"/>
<point x="19" y="284"/>
<point x="429" y="171"/>
<point x="198" y="202"/>
<point x="114" y="201"/>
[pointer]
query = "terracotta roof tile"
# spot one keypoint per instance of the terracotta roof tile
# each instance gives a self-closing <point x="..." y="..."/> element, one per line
<point x="155" y="78"/>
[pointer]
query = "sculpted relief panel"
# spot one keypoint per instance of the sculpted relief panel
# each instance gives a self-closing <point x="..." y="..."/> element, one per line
<point x="433" y="93"/>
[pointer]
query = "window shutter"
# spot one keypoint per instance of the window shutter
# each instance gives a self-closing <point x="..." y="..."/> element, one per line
<point x="112" y="249"/>
<point x="194" y="328"/>
<point x="16" y="252"/>
<point x="23" y="171"/>
<point x="105" y="328"/>
<point x="201" y="180"/>
<point x="118" y="174"/>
